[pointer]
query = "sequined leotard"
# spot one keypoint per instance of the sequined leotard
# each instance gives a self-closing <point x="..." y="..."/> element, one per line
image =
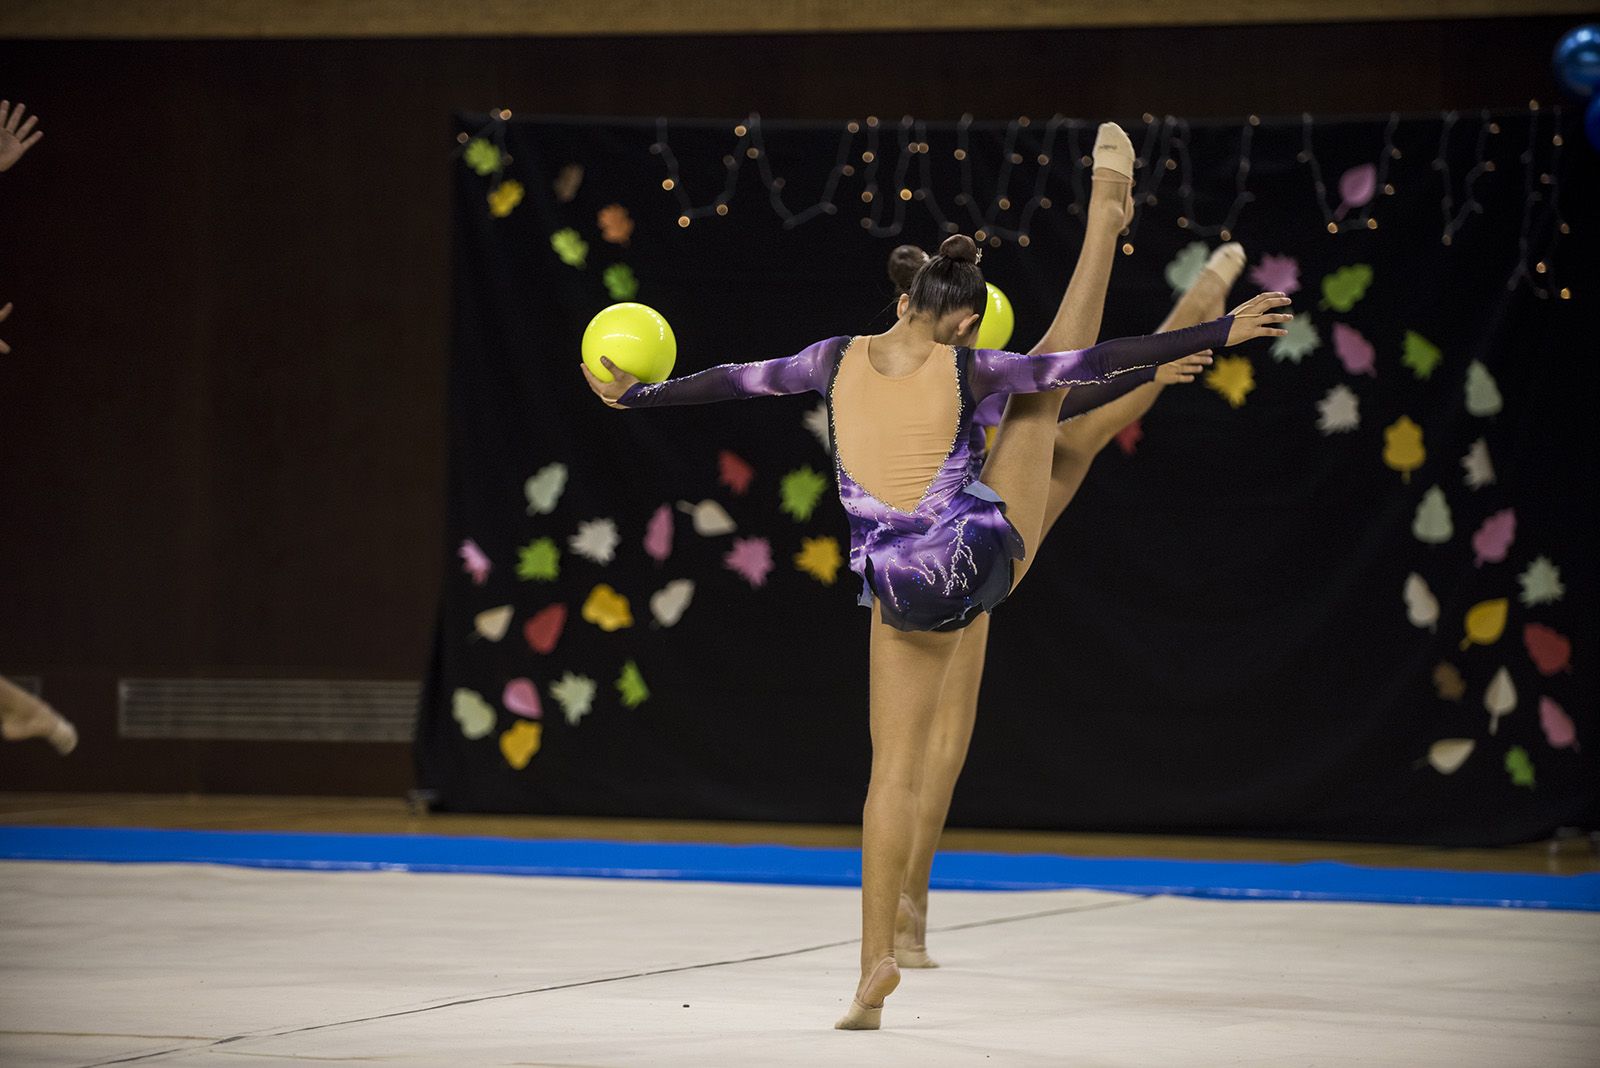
<point x="936" y="561"/>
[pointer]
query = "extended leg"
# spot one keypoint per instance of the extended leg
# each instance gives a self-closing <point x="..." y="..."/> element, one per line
<point x="907" y="672"/>
<point x="23" y="715"/>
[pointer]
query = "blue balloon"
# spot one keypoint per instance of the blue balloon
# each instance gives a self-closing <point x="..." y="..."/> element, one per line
<point x="1591" y="123"/>
<point x="1577" y="60"/>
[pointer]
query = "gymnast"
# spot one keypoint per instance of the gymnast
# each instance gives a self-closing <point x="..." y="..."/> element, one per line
<point x="935" y="544"/>
<point x="1090" y="417"/>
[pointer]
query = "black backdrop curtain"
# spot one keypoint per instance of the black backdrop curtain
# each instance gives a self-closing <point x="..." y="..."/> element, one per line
<point x="1221" y="635"/>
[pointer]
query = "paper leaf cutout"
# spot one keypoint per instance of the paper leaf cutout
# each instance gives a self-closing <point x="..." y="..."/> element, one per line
<point x="1402" y="446"/>
<point x="1541" y="583"/>
<point x="1448" y="683"/>
<point x="474" y="562"/>
<point x="1519" y="767"/>
<point x="1500" y="698"/>
<point x="658" y="534"/>
<point x="1432" y="525"/>
<point x="710" y="518"/>
<point x="1301" y="339"/>
<point x="504" y="197"/>
<point x="1448" y="754"/>
<point x="630" y="684"/>
<point x="1493" y="539"/>
<point x="669" y="603"/>
<point x="1557" y="725"/>
<point x="544" y="489"/>
<point x="1186" y="266"/>
<point x="1483" y="395"/>
<point x="492" y="623"/>
<point x="1128" y="437"/>
<point x="820" y="558"/>
<point x="734" y="472"/>
<point x="473" y="713"/>
<point x="543" y="631"/>
<point x="1344" y="287"/>
<point x="1277" y="274"/>
<point x="539" y="561"/>
<point x="800" y="491"/>
<point x="616" y="225"/>
<point x="570" y="246"/>
<point x="750" y="559"/>
<point x="1233" y="377"/>
<point x="567" y="182"/>
<point x="1339" y="411"/>
<point x="595" y="540"/>
<point x="575" y="695"/>
<point x="816" y="421"/>
<point x="482" y="157"/>
<point x="1486" y="621"/>
<point x="1420" y="354"/>
<point x="1477" y="465"/>
<point x="607" y="609"/>
<point x="620" y="281"/>
<point x="519" y="743"/>
<point x="521" y="698"/>
<point x="1549" y="650"/>
<point x="1356" y="187"/>
<point x="1354" y="351"/>
<point x="1422" y="607"/>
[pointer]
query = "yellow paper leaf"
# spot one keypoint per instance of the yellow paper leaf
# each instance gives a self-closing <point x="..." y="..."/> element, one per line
<point x="1233" y="377"/>
<point x="1486" y="621"/>
<point x="607" y="609"/>
<point x="519" y="743"/>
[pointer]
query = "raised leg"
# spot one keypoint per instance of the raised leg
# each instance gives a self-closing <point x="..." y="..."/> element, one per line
<point x="907" y="672"/>
<point x="1078" y="441"/>
<point x="23" y="715"/>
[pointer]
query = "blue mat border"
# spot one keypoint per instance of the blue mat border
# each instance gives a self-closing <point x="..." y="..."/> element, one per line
<point x="799" y="866"/>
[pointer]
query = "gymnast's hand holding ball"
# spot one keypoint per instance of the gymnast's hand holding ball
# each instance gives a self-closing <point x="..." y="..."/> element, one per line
<point x="624" y="345"/>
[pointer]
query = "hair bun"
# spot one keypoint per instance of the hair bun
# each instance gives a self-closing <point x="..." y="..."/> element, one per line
<point x="959" y="247"/>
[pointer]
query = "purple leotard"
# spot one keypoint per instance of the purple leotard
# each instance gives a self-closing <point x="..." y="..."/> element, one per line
<point x="949" y="558"/>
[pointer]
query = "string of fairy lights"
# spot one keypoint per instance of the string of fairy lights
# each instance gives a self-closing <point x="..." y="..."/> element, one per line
<point x="1055" y="151"/>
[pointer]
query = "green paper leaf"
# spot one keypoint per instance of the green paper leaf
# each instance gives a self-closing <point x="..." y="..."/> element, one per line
<point x="572" y="248"/>
<point x="1421" y="355"/>
<point x="630" y="684"/>
<point x="481" y="156"/>
<point x="800" y="490"/>
<point x="620" y="282"/>
<point x="1342" y="288"/>
<point x="1519" y="767"/>
<point x="539" y="560"/>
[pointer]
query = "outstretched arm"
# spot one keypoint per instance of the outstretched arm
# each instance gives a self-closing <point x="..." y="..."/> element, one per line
<point x="1009" y="372"/>
<point x="805" y="371"/>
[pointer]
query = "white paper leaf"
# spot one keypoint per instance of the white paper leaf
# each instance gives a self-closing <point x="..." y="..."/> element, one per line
<point x="1477" y="465"/>
<point x="492" y="623"/>
<point x="816" y="421"/>
<point x="1483" y="395"/>
<point x="1541" y="583"/>
<point x="1500" y="698"/>
<point x="473" y="713"/>
<point x="1448" y="754"/>
<point x="1422" y="607"/>
<point x="543" y="490"/>
<point x="1339" y="411"/>
<point x="595" y="540"/>
<point x="575" y="695"/>
<point x="710" y="518"/>
<point x="669" y="603"/>
<point x="1432" y="523"/>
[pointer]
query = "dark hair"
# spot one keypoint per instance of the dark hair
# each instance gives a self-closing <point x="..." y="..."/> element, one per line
<point x="904" y="263"/>
<point x="950" y="281"/>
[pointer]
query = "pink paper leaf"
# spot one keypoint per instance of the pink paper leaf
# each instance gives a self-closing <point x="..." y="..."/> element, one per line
<point x="521" y="697"/>
<point x="750" y="559"/>
<point x="658" y="535"/>
<point x="1558" y="728"/>
<point x="474" y="562"/>
<point x="1277" y="274"/>
<point x="1354" y="351"/>
<point x="1356" y="187"/>
<point x="1493" y="539"/>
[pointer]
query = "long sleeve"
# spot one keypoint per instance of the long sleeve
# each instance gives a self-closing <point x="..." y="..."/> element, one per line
<point x="806" y="371"/>
<point x="993" y="371"/>
<point x="1080" y="399"/>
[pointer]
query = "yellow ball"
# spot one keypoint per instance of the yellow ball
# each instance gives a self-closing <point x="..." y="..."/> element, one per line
<point x="634" y="337"/>
<point x="998" y="320"/>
